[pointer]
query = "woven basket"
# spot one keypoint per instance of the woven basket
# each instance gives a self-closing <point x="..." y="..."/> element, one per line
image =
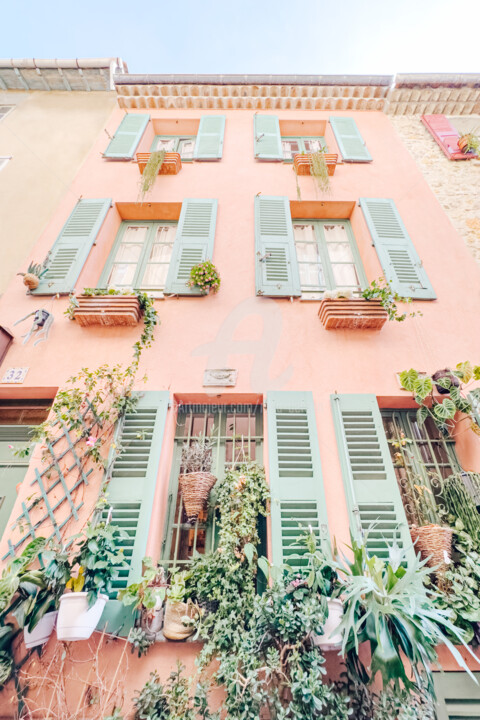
<point x="434" y="543"/>
<point x="173" y="627"/>
<point x="195" y="489"/>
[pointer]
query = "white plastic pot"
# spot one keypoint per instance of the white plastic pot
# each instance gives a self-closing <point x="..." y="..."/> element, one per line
<point x="331" y="639"/>
<point x="42" y="630"/>
<point x="76" y="621"/>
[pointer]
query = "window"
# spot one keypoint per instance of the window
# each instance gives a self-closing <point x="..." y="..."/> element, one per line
<point x="3" y="161"/>
<point x="16" y="420"/>
<point x="185" y="145"/>
<point x="141" y="256"/>
<point x="327" y="256"/>
<point x="421" y="455"/>
<point x="293" y="145"/>
<point x="237" y="432"/>
<point x="4" y="110"/>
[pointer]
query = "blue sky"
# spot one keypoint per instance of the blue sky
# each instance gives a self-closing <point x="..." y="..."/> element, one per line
<point x="251" y="36"/>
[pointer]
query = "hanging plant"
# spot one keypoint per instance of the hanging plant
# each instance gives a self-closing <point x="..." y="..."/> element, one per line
<point x="381" y="290"/>
<point x="152" y="168"/>
<point x="205" y="276"/>
<point x="319" y="170"/>
<point x="457" y="399"/>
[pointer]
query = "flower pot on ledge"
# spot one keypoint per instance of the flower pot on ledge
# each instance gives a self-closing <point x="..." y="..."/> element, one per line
<point x="107" y="310"/>
<point x="172" y="163"/>
<point x="352" y="314"/>
<point x="302" y="163"/>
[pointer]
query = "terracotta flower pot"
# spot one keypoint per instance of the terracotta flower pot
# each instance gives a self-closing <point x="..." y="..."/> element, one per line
<point x="463" y="143"/>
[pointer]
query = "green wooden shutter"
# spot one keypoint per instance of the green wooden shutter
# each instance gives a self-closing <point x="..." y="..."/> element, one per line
<point x="296" y="483"/>
<point x="350" y="143"/>
<point x="267" y="142"/>
<point x="131" y="492"/>
<point x="276" y="268"/>
<point x="193" y="243"/>
<point x="371" y="488"/>
<point x="71" y="249"/>
<point x="458" y="698"/>
<point x="128" y="135"/>
<point x="401" y="264"/>
<point x="209" y="142"/>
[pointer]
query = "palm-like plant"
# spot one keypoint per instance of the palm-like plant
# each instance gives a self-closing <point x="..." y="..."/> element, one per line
<point x="387" y="605"/>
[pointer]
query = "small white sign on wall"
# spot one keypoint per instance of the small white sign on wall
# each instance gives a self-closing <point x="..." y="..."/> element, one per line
<point x="15" y="375"/>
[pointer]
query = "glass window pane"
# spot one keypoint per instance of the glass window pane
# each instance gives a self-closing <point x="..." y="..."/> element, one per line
<point x="155" y="276"/>
<point x="290" y="147"/>
<point x="165" y="144"/>
<point x="312" y="146"/>
<point x="122" y="275"/>
<point x="128" y="253"/>
<point x="345" y="275"/>
<point x="340" y="252"/>
<point x="186" y="148"/>
<point x="335" y="233"/>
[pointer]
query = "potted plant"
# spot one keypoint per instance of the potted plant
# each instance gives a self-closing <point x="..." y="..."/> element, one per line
<point x="148" y="595"/>
<point x="35" y="271"/>
<point x="205" y="276"/>
<point x="179" y="609"/>
<point x="196" y="481"/>
<point x="469" y="142"/>
<point x="98" y="560"/>
<point x="458" y="399"/>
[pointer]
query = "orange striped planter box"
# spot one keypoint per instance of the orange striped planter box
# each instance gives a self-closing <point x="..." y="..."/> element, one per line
<point x="172" y="163"/>
<point x="107" y="310"/>
<point x="358" y="314"/>
<point x="302" y="163"/>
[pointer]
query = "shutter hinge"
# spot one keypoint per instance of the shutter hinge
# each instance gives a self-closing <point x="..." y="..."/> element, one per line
<point x="108" y="134"/>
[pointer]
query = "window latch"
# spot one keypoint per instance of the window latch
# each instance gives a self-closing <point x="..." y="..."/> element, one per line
<point x="259" y="137"/>
<point x="264" y="258"/>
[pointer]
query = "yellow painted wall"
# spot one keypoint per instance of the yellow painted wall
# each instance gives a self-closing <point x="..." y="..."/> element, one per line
<point x="48" y="135"/>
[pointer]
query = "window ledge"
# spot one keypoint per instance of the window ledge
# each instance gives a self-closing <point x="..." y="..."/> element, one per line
<point x="107" y="310"/>
<point x="343" y="314"/>
<point x="172" y="163"/>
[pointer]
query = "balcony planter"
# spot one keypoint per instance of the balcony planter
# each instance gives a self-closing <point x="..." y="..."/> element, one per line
<point x="77" y="621"/>
<point x="331" y="639"/>
<point x="302" y="163"/>
<point x="171" y="165"/>
<point x="107" y="310"/>
<point x="42" y="630"/>
<point x="434" y="543"/>
<point x="173" y="627"/>
<point x="352" y="314"/>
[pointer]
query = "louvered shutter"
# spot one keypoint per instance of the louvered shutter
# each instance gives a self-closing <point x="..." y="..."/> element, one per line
<point x="401" y="264"/>
<point x="193" y="244"/>
<point x="209" y="142"/>
<point x="128" y="135"/>
<point x="276" y="268"/>
<point x="350" y="143"/>
<point x="71" y="249"/>
<point x="296" y="483"/>
<point x="458" y="697"/>
<point x="12" y="468"/>
<point x="445" y="136"/>
<point x="371" y="488"/>
<point x="131" y="491"/>
<point x="267" y="142"/>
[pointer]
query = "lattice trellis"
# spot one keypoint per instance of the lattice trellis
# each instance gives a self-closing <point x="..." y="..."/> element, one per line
<point x="51" y="509"/>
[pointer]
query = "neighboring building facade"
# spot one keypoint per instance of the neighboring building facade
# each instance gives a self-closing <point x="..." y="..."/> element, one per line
<point x="255" y="361"/>
<point x="51" y="111"/>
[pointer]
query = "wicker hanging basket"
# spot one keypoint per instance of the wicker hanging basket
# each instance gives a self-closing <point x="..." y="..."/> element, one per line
<point x="195" y="489"/>
<point x="173" y="627"/>
<point x="434" y="543"/>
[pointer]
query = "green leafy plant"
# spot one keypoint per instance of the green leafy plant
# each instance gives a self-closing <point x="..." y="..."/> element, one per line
<point x="140" y="641"/>
<point x="460" y="504"/>
<point x="454" y="384"/>
<point x="150" y="591"/>
<point x="381" y="290"/>
<point x="150" y="172"/>
<point x="37" y="269"/>
<point x="387" y="605"/>
<point x="205" y="276"/>
<point x="99" y="559"/>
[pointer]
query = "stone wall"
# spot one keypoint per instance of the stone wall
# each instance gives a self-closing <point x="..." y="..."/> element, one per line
<point x="456" y="183"/>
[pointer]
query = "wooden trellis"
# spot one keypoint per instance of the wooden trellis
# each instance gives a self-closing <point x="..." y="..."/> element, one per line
<point x="67" y="453"/>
